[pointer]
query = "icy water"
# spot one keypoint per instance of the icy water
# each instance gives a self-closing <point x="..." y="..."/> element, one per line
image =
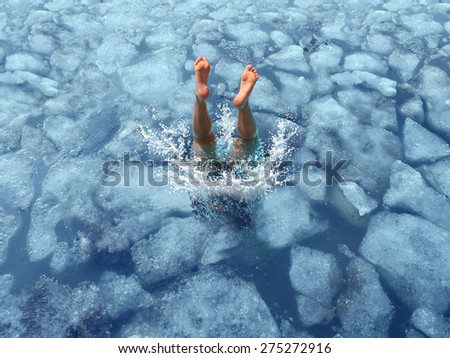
<point x="93" y="91"/>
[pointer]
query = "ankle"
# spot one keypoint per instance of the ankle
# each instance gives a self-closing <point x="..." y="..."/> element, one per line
<point x="243" y="105"/>
<point x="199" y="99"/>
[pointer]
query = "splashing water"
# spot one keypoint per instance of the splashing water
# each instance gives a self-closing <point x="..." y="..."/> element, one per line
<point x="221" y="189"/>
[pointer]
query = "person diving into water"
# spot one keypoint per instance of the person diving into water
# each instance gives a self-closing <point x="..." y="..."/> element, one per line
<point x="204" y="145"/>
<point x="226" y="203"/>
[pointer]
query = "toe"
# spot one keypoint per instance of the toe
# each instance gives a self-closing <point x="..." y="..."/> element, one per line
<point x="248" y="67"/>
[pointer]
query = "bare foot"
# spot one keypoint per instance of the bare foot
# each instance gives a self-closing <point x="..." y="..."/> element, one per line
<point x="248" y="80"/>
<point x="202" y="68"/>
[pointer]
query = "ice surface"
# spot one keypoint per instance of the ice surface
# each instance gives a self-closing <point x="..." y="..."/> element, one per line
<point x="114" y="52"/>
<point x="155" y="80"/>
<point x="280" y="228"/>
<point x="53" y="310"/>
<point x="434" y="84"/>
<point x="66" y="62"/>
<point x="333" y="127"/>
<point x="10" y="313"/>
<point x="9" y="224"/>
<point x="208" y="304"/>
<point x="295" y="90"/>
<point x="385" y="86"/>
<point x="413" y="109"/>
<point x="266" y="96"/>
<point x="432" y="324"/>
<point x="422" y="145"/>
<point x="300" y="157"/>
<point x="26" y="62"/>
<point x="290" y="58"/>
<point x="281" y="39"/>
<point x="16" y="180"/>
<point x="317" y="278"/>
<point x="161" y="36"/>
<point x="327" y="56"/>
<point x="421" y="24"/>
<point x="353" y="203"/>
<point x="426" y="202"/>
<point x="231" y="71"/>
<point x="42" y="44"/>
<point x="65" y="211"/>
<point x="438" y="175"/>
<point x="6" y="282"/>
<point x="47" y="86"/>
<point x="206" y="50"/>
<point x="80" y="79"/>
<point x="365" y="62"/>
<point x="405" y="62"/>
<point x="364" y="309"/>
<point x="218" y="247"/>
<point x="370" y="108"/>
<point x="176" y="248"/>
<point x="130" y="218"/>
<point x="123" y="294"/>
<point x="379" y="43"/>
<point x="247" y="33"/>
<point x="411" y="254"/>
<point x="33" y="140"/>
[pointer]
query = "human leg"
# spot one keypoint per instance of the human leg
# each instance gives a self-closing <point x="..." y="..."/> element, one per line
<point x="247" y="143"/>
<point x="204" y="139"/>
